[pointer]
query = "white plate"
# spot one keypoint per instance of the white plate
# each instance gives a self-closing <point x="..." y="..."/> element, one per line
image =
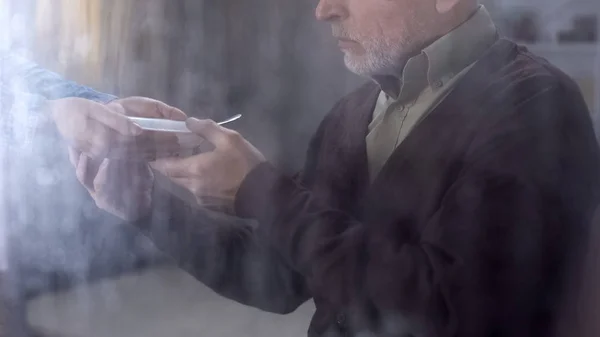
<point x="167" y="125"/>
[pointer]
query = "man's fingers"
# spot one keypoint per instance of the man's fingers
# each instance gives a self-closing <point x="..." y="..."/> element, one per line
<point x="116" y="121"/>
<point x="172" y="167"/>
<point x="98" y="141"/>
<point x="182" y="167"/>
<point x="101" y="144"/>
<point x="101" y="178"/>
<point x="81" y="170"/>
<point x="73" y="114"/>
<point x="157" y="140"/>
<point x="86" y="171"/>
<point x="214" y="133"/>
<point x="74" y="156"/>
<point x="150" y="108"/>
<point x="205" y="194"/>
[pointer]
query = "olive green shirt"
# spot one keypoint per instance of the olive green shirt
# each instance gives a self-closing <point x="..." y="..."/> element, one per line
<point x="425" y="81"/>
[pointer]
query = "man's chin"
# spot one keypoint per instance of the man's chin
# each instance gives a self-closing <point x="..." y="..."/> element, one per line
<point x="370" y="66"/>
<point x="358" y="66"/>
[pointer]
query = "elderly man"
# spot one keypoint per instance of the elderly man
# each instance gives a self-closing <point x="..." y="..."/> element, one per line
<point x="449" y="196"/>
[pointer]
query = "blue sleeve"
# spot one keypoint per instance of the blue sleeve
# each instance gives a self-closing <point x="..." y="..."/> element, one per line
<point x="18" y="74"/>
<point x="25" y="88"/>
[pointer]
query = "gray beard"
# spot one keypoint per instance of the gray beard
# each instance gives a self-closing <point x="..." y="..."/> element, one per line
<point x="380" y="60"/>
<point x="374" y="65"/>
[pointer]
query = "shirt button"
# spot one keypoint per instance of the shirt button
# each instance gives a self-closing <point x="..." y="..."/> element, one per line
<point x="438" y="84"/>
<point x="400" y="108"/>
<point x="341" y="319"/>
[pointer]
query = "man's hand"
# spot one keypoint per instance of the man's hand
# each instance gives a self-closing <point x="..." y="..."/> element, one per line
<point x="103" y="131"/>
<point x="98" y="133"/>
<point x="120" y="187"/>
<point x="217" y="174"/>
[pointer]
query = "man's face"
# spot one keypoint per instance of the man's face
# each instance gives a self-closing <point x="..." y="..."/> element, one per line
<point x="378" y="36"/>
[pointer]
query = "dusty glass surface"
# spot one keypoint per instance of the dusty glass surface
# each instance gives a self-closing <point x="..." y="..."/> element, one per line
<point x="78" y="271"/>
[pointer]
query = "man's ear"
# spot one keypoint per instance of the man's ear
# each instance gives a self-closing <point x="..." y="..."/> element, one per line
<point x="445" y="6"/>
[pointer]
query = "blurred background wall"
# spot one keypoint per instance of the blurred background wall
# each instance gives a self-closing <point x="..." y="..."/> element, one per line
<point x="563" y="31"/>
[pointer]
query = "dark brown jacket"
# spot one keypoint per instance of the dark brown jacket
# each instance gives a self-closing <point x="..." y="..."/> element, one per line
<point x="469" y="230"/>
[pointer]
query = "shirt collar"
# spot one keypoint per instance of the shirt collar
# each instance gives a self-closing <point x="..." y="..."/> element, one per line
<point x="444" y="58"/>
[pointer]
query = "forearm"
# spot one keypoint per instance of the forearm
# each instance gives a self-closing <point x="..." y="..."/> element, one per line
<point x="226" y="253"/>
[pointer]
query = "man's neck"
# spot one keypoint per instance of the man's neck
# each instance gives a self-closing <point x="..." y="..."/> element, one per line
<point x="390" y="79"/>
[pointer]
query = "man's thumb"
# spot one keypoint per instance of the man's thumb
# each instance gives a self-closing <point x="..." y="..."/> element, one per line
<point x="209" y="130"/>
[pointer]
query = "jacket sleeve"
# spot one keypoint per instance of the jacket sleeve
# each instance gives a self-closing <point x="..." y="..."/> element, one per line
<point x="228" y="254"/>
<point x="487" y="242"/>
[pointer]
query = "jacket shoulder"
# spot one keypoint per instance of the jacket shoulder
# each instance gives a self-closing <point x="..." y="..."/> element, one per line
<point x="528" y="95"/>
<point x="532" y="73"/>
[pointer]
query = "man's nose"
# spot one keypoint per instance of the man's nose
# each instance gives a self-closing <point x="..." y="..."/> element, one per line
<point x="331" y="10"/>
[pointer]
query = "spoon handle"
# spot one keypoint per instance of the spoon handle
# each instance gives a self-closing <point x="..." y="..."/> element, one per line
<point x="230" y="119"/>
